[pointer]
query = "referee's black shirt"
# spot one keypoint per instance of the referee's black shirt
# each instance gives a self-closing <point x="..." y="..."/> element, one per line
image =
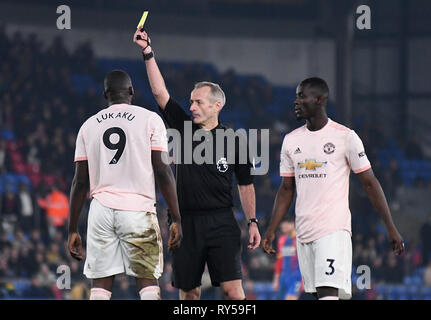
<point x="205" y="188"/>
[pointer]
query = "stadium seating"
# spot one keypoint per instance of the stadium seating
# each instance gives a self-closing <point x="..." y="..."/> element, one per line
<point x="282" y="97"/>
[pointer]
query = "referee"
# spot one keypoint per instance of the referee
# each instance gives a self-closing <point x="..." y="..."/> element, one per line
<point x="211" y="234"/>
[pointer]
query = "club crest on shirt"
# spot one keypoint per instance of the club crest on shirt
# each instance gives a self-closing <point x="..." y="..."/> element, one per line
<point x="222" y="165"/>
<point x="329" y="148"/>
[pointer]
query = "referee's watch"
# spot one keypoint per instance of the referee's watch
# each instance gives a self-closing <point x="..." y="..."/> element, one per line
<point x="147" y="56"/>
<point x="252" y="220"/>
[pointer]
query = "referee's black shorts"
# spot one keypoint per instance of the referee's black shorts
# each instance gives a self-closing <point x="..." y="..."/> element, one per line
<point x="214" y="239"/>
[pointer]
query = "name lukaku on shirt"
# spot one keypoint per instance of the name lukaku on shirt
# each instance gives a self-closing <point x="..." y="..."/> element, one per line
<point x="114" y="115"/>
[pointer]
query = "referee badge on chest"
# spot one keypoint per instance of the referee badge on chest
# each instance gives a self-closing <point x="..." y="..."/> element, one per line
<point x="222" y="165"/>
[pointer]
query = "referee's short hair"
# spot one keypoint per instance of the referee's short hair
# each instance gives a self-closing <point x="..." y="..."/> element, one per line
<point x="216" y="93"/>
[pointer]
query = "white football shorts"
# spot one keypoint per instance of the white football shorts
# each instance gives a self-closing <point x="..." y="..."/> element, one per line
<point x="327" y="262"/>
<point x="122" y="241"/>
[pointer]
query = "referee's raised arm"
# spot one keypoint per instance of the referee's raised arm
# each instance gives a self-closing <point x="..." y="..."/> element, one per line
<point x="155" y="77"/>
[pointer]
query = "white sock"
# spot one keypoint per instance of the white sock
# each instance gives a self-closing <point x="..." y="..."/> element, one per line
<point x="150" y="293"/>
<point x="329" y="298"/>
<point x="100" y="294"/>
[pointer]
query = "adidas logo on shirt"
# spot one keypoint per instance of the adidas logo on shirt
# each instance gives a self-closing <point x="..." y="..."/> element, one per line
<point x="297" y="151"/>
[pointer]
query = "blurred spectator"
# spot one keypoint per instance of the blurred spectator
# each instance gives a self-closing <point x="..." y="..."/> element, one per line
<point x="249" y="290"/>
<point x="9" y="213"/>
<point x="35" y="238"/>
<point x="425" y="236"/>
<point x="2" y="154"/>
<point x="393" y="269"/>
<point x="75" y="271"/>
<point x="79" y="291"/>
<point x="45" y="277"/>
<point x="61" y="241"/>
<point x="260" y="268"/>
<point x="427" y="275"/>
<point x="14" y="263"/>
<point x="124" y="291"/>
<point x="372" y="293"/>
<point x="21" y="240"/>
<point x="27" y="262"/>
<point x="377" y="271"/>
<point x="36" y="291"/>
<point x="5" y="272"/>
<point x="56" y="205"/>
<point x="26" y="209"/>
<point x="53" y="257"/>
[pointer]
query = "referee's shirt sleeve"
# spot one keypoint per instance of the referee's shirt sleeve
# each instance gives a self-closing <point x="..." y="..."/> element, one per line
<point x="174" y="115"/>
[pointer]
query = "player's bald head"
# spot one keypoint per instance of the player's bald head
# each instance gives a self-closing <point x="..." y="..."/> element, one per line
<point x="317" y="86"/>
<point x="118" y="86"/>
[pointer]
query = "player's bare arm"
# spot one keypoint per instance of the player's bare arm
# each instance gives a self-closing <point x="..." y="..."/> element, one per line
<point x="248" y="202"/>
<point x="282" y="203"/>
<point x="78" y="194"/>
<point x="155" y="77"/>
<point x="377" y="197"/>
<point x="166" y="183"/>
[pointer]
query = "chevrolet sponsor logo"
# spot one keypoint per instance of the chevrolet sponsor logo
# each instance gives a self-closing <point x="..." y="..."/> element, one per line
<point x="311" y="164"/>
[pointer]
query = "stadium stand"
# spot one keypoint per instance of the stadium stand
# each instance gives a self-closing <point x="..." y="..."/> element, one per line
<point x="46" y="99"/>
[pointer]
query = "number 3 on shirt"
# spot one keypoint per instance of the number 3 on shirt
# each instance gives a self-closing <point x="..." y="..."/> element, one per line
<point x="331" y="267"/>
<point x="119" y="146"/>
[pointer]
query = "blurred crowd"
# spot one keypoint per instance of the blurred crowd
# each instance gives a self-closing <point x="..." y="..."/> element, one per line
<point x="41" y="112"/>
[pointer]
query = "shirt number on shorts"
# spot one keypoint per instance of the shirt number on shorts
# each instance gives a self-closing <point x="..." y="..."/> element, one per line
<point x="332" y="270"/>
<point x="119" y="146"/>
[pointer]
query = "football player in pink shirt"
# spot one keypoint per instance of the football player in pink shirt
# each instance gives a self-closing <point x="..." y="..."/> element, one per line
<point x="120" y="152"/>
<point x="316" y="160"/>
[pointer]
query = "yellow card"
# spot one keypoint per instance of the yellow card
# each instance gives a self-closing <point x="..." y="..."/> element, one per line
<point x="142" y="21"/>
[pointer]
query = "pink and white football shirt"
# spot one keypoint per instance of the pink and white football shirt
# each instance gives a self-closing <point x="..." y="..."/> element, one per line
<point x="117" y="143"/>
<point x="321" y="161"/>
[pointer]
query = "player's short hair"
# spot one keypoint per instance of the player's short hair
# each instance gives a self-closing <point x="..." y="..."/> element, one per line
<point x="317" y="83"/>
<point x="216" y="93"/>
<point x="117" y="80"/>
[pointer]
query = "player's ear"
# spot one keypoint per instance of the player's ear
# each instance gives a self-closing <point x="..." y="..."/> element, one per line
<point x="131" y="91"/>
<point x="105" y="95"/>
<point x="322" y="99"/>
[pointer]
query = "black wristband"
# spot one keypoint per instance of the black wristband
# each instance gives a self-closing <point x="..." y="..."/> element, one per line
<point x="252" y="220"/>
<point x="147" y="56"/>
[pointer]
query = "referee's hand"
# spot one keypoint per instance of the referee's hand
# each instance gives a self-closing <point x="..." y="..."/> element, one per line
<point x="254" y="236"/>
<point x="175" y="236"/>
